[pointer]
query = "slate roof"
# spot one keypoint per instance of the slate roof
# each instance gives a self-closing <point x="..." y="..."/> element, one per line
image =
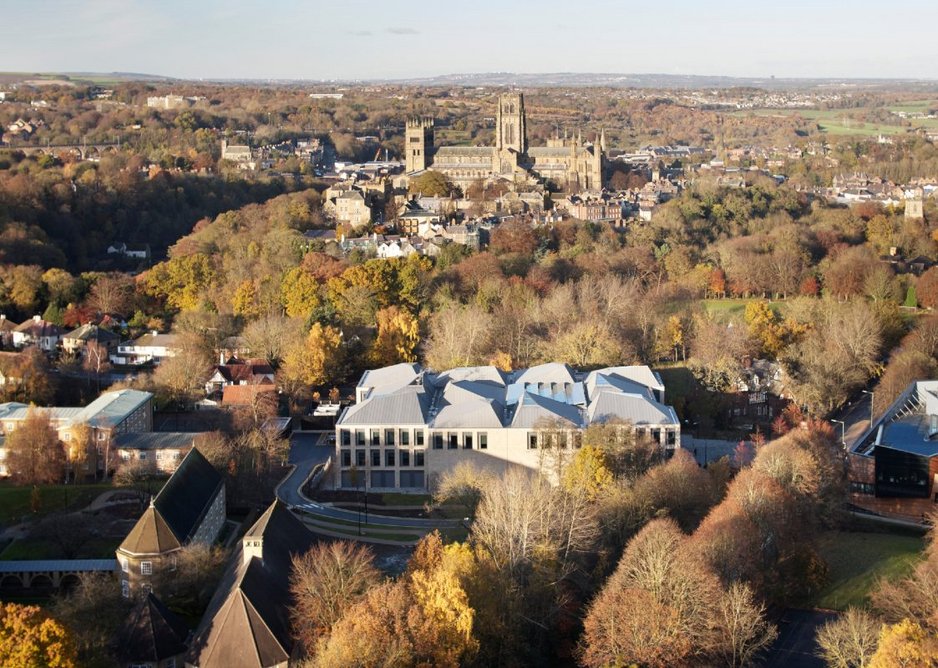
<point x="246" y="623"/>
<point x="151" y="633"/>
<point x="188" y="494"/>
<point x="155" y="440"/>
<point x="150" y="535"/>
<point x="151" y="340"/>
<point x="91" y="332"/>
<point x="38" y="327"/>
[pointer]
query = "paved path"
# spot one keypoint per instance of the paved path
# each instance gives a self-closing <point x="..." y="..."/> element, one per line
<point x="706" y="450"/>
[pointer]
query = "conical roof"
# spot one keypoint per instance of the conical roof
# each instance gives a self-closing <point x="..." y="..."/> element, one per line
<point x="150" y="535"/>
<point x="152" y="633"/>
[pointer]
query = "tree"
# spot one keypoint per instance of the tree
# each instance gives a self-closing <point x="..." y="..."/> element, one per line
<point x="513" y="236"/>
<point x="905" y="645"/>
<point x="245" y="300"/>
<point x="325" y="582"/>
<point x="182" y="281"/>
<point x="463" y="485"/>
<point x="92" y="612"/>
<point x="299" y="293"/>
<point x="850" y="640"/>
<point x="67" y="532"/>
<point x="587" y="473"/>
<point x="191" y="585"/>
<point x="397" y="339"/>
<point x="112" y="293"/>
<point x="29" y="638"/>
<point x="81" y="452"/>
<point x="744" y="631"/>
<point x="35" y="455"/>
<point x="96" y="359"/>
<point x="317" y="362"/>
<point x="432" y="184"/>
<point x="926" y="288"/>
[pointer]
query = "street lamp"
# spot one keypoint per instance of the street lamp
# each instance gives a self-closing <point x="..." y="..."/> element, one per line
<point x="843" y="432"/>
<point x="871" y="405"/>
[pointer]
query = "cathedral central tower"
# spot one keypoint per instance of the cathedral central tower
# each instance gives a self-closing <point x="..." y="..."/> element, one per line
<point x="511" y="133"/>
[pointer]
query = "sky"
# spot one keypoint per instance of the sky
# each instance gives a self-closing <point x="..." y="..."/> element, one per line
<point x="359" y="39"/>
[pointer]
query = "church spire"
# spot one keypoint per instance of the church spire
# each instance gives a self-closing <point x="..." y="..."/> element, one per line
<point x="602" y="140"/>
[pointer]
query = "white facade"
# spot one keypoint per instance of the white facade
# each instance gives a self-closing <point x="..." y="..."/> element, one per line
<point x="409" y="426"/>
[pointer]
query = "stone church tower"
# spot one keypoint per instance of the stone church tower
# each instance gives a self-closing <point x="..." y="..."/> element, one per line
<point x="511" y="139"/>
<point x="418" y="144"/>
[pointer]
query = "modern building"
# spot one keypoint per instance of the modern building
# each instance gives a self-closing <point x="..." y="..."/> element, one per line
<point x="566" y="162"/>
<point x="190" y="509"/>
<point x="410" y="425"/>
<point x="107" y="417"/>
<point x="893" y="467"/>
<point x="154" y="451"/>
<point x="247" y="621"/>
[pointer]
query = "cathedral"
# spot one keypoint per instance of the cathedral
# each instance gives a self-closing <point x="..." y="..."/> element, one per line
<point x="567" y="163"/>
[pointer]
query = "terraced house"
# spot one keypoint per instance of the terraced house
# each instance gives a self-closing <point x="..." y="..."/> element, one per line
<point x="409" y="425"/>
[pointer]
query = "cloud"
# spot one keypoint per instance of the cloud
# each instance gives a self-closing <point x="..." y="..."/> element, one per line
<point x="361" y="33"/>
<point x="403" y="31"/>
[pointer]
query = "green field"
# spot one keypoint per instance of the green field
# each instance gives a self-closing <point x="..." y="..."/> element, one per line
<point x="15" y="499"/>
<point x="726" y="310"/>
<point x="839" y="121"/>
<point x="858" y="560"/>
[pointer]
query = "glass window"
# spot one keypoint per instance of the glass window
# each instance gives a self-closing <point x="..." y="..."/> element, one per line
<point x="389" y="457"/>
<point x="389" y="437"/>
<point x="346" y="458"/>
<point x="376" y="458"/>
<point x="483" y="440"/>
<point x="359" y="437"/>
<point x="405" y="438"/>
<point x="375" y="437"/>
<point x="532" y="441"/>
<point x="418" y="438"/>
<point x="405" y="457"/>
<point x="672" y="437"/>
<point x="467" y="441"/>
<point x="656" y="435"/>
<point x="453" y="441"/>
<point x="418" y="458"/>
<point x="437" y="441"/>
<point x="346" y="437"/>
<point x="359" y="458"/>
<point x="146" y="568"/>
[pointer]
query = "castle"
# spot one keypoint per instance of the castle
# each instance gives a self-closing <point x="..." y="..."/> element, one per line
<point x="567" y="163"/>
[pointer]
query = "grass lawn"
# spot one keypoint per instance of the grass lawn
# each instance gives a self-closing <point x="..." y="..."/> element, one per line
<point x="416" y="500"/>
<point x="858" y="560"/>
<point x="725" y="310"/>
<point x="30" y="548"/>
<point x="15" y="499"/>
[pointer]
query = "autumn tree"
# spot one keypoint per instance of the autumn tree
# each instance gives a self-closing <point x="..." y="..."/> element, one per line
<point x="29" y="638"/>
<point x="318" y="361"/>
<point x="513" y="236"/>
<point x="92" y="612"/>
<point x="325" y="582"/>
<point x="397" y="338"/>
<point x="850" y="640"/>
<point x="588" y="473"/>
<point x="743" y="629"/>
<point x="112" y="293"/>
<point x="182" y="281"/>
<point x="431" y="184"/>
<point x="299" y="293"/>
<point x="926" y="288"/>
<point x="905" y="644"/>
<point x="35" y="455"/>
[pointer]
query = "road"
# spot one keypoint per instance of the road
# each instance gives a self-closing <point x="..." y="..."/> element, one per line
<point x="305" y="453"/>
<point x="856" y="418"/>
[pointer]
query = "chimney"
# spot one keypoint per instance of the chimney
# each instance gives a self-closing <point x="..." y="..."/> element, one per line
<point x="37" y="318"/>
<point x="153" y="332"/>
<point x="252" y="546"/>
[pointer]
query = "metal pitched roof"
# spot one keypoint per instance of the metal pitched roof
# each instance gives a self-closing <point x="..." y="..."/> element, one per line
<point x="534" y="411"/>
<point x="406" y="405"/>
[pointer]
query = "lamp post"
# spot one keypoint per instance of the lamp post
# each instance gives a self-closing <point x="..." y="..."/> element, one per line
<point x="871" y="405"/>
<point x="843" y="432"/>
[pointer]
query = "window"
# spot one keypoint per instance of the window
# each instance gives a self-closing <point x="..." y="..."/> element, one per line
<point x="66" y="437"/>
<point x="360" y="437"/>
<point x="405" y="457"/>
<point x="418" y="439"/>
<point x="359" y="458"/>
<point x="389" y="437"/>
<point x="405" y="438"/>
<point x="656" y="435"/>
<point x="143" y="455"/>
<point x="125" y="565"/>
<point x="125" y="589"/>
<point x="483" y="440"/>
<point x="418" y="458"/>
<point x="345" y="437"/>
<point x="453" y="441"/>
<point x="146" y="568"/>
<point x="532" y="441"/>
<point x="346" y="458"/>
<point x="389" y="458"/>
<point x="375" y="437"/>
<point x="438" y="441"/>
<point x="159" y="454"/>
<point x="467" y="441"/>
<point x="376" y="458"/>
<point x="672" y="437"/>
<point x="101" y="435"/>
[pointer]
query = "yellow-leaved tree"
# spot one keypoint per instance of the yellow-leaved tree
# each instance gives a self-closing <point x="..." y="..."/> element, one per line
<point x="30" y="638"/>
<point x="588" y="473"/>
<point x="318" y="361"/>
<point x="905" y="644"/>
<point x="398" y="336"/>
<point x="299" y="293"/>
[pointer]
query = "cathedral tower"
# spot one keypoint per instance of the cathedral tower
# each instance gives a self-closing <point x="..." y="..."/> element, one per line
<point x="510" y="130"/>
<point x="418" y="144"/>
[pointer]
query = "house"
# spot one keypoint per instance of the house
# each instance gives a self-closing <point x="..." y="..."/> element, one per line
<point x="108" y="416"/>
<point x="37" y="332"/>
<point x="411" y="216"/>
<point x="409" y="425"/>
<point x="238" y="372"/>
<point x="133" y="251"/>
<point x="152" y="635"/>
<point x="77" y="339"/>
<point x="6" y="331"/>
<point x="247" y="621"/>
<point x="190" y="509"/>
<point x="245" y="396"/>
<point x="151" y="348"/>
<point x="154" y="451"/>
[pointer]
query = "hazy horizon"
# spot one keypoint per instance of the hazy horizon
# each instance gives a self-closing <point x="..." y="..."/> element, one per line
<point x="289" y="39"/>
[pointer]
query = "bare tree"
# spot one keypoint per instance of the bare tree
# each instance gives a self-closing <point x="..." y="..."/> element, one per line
<point x="744" y="631"/>
<point x="325" y="582"/>
<point x="112" y="293"/>
<point x="850" y="640"/>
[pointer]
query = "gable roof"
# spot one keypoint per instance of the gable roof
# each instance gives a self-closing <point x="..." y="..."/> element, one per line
<point x="245" y="395"/>
<point x="247" y="621"/>
<point x="188" y="494"/>
<point x="91" y="332"/>
<point x="534" y="410"/>
<point x="406" y="405"/>
<point x="151" y="633"/>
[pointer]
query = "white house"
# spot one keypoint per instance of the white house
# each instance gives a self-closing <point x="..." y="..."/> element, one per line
<point x="37" y="332"/>
<point x="410" y="425"/>
<point x="151" y="348"/>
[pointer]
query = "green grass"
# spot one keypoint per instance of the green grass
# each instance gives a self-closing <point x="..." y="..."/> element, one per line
<point x="15" y="499"/>
<point x="26" y="549"/>
<point x="858" y="560"/>
<point x="726" y="310"/>
<point x="416" y="500"/>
